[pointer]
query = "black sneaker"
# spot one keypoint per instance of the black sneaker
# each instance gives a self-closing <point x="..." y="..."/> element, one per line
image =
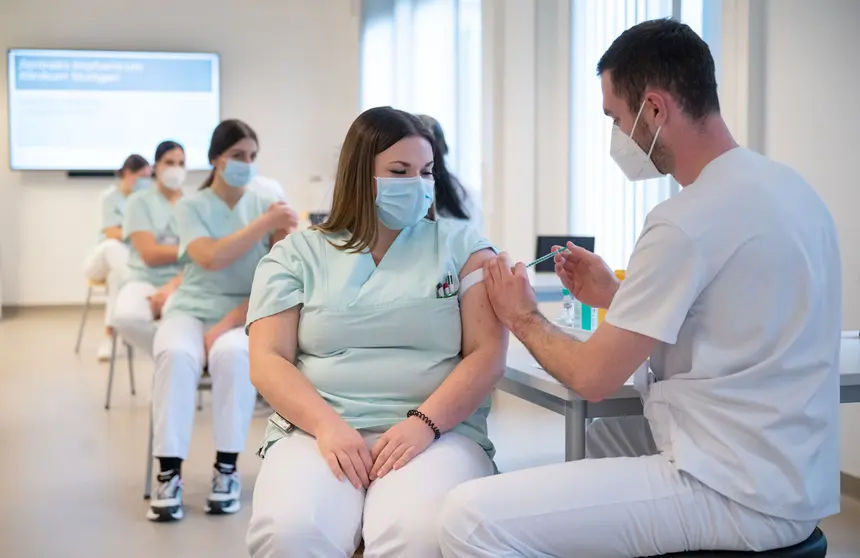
<point x="226" y="494"/>
<point x="167" y="504"/>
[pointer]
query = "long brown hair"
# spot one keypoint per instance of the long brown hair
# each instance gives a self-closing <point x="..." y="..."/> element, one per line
<point x="227" y="134"/>
<point x="354" y="203"/>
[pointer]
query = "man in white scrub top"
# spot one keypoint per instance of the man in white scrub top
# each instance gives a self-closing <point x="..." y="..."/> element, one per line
<point x="734" y="292"/>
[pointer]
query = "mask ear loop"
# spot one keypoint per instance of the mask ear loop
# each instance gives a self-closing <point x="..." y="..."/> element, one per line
<point x="657" y="133"/>
<point x="432" y="210"/>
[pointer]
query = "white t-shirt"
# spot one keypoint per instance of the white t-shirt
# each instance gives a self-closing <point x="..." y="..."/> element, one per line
<point x="739" y="278"/>
<point x="267" y="187"/>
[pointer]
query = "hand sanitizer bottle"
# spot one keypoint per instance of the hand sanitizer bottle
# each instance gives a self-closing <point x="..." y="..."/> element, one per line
<point x="567" y="314"/>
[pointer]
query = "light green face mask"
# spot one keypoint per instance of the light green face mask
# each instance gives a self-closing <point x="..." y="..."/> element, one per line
<point x="402" y="202"/>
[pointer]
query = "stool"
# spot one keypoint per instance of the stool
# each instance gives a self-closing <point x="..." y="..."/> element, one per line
<point x="205" y="384"/>
<point x="813" y="547"/>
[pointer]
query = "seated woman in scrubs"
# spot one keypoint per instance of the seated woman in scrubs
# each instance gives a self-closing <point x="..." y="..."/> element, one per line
<point x="224" y="230"/>
<point x="150" y="226"/>
<point x="453" y="200"/>
<point x="108" y="261"/>
<point x="378" y="372"/>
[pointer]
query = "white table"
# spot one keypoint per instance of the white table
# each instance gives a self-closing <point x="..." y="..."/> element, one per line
<point x="526" y="380"/>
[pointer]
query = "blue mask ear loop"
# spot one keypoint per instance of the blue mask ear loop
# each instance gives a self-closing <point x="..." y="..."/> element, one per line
<point x="657" y="133"/>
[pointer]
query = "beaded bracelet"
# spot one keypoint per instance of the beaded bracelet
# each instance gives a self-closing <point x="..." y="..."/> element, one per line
<point x="418" y="414"/>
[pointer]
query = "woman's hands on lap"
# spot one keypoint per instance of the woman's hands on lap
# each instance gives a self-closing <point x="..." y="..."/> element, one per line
<point x="399" y="445"/>
<point x="346" y="453"/>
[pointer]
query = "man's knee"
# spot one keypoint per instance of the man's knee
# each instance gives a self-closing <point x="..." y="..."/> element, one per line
<point x="463" y="518"/>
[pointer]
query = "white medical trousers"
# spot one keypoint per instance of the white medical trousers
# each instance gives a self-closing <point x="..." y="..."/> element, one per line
<point x="133" y="316"/>
<point x="179" y="362"/>
<point x="302" y="510"/>
<point x="618" y="507"/>
<point x="108" y="262"/>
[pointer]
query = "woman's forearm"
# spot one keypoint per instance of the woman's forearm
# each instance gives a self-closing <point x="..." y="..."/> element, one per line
<point x="465" y="388"/>
<point x="114" y="233"/>
<point x="221" y="253"/>
<point x="235" y="317"/>
<point x="159" y="254"/>
<point x="290" y="393"/>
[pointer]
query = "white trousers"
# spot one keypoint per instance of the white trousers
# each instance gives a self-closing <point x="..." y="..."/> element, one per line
<point x="108" y="262"/>
<point x="619" y="507"/>
<point x="301" y="510"/>
<point x="132" y="315"/>
<point x="179" y="362"/>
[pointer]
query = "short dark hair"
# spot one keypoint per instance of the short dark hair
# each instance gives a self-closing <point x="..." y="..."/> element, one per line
<point x="227" y="134"/>
<point x="667" y="54"/>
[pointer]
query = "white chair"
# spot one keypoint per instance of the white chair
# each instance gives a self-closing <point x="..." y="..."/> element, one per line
<point x="91" y="286"/>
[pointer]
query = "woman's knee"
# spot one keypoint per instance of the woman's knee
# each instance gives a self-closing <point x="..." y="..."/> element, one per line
<point x="282" y="534"/>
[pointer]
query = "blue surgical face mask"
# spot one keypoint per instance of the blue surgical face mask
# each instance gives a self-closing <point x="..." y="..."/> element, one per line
<point x="402" y="202"/>
<point x="238" y="173"/>
<point x="142" y="183"/>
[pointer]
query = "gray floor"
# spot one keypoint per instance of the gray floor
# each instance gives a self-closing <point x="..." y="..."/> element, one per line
<point x="73" y="472"/>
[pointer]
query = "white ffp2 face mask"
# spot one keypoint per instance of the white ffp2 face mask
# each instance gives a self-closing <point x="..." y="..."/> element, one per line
<point x="173" y="177"/>
<point x="630" y="158"/>
<point x="402" y="202"/>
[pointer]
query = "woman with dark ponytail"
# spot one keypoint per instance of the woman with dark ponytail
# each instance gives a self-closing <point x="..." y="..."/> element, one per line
<point x="224" y="230"/>
<point x="453" y="201"/>
<point x="108" y="261"/>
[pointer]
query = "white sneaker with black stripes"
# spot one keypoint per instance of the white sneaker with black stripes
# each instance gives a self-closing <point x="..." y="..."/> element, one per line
<point x="167" y="503"/>
<point x="226" y="494"/>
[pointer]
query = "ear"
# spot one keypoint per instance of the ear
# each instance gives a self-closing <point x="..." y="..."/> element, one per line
<point x="657" y="106"/>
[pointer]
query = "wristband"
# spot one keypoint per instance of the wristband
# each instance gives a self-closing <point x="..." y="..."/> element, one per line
<point x="424" y="418"/>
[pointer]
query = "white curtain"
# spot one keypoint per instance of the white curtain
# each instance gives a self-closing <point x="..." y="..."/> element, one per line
<point x="424" y="56"/>
<point x="604" y="204"/>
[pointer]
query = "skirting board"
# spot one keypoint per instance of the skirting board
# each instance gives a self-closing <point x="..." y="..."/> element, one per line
<point x="850" y="486"/>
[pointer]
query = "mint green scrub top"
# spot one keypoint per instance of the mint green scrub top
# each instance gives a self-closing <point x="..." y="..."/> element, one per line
<point x="113" y="203"/>
<point x="211" y="295"/>
<point x="375" y="341"/>
<point x="149" y="211"/>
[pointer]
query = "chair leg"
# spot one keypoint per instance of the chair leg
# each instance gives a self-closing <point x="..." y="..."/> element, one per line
<point x="129" y="353"/>
<point x="199" y="400"/>
<point x="147" y="485"/>
<point x="111" y="369"/>
<point x="83" y="320"/>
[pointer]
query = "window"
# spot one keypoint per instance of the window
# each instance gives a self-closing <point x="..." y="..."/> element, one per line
<point x="424" y="56"/>
<point x="604" y="204"/>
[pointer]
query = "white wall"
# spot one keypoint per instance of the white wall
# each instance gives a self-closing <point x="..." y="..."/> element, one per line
<point x="288" y="67"/>
<point x="810" y="120"/>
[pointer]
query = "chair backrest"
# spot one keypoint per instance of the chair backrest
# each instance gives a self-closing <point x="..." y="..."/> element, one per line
<point x="545" y="244"/>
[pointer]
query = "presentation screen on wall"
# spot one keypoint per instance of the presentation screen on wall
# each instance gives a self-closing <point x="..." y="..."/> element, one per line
<point x="89" y="110"/>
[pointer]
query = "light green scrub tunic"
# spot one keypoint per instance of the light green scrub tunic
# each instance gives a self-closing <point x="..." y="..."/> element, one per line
<point x="374" y="341"/>
<point x="149" y="211"/>
<point x="210" y="295"/>
<point x="113" y="209"/>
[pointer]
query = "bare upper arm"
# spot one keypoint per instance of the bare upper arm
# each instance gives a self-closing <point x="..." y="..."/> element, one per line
<point x="276" y="334"/>
<point x="481" y="327"/>
<point x="610" y="356"/>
